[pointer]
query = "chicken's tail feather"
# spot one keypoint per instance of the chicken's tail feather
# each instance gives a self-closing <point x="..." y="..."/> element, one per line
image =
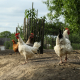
<point x="60" y="34"/>
<point x="37" y="44"/>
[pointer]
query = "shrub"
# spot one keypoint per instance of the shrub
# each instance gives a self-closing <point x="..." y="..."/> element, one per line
<point x="7" y="44"/>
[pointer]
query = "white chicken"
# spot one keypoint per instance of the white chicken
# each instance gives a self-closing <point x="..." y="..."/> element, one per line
<point x="25" y="50"/>
<point x="63" y="45"/>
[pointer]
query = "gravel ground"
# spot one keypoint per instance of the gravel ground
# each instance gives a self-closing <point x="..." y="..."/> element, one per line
<point x="40" y="67"/>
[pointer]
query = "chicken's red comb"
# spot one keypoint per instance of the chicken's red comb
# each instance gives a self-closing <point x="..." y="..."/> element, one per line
<point x="32" y="33"/>
<point x="66" y="28"/>
<point x="13" y="40"/>
<point x="17" y="34"/>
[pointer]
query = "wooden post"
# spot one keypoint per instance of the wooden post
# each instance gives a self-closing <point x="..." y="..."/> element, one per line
<point x="32" y="18"/>
<point x="34" y="31"/>
<point x="28" y="27"/>
<point x="25" y="29"/>
<point x="42" y="38"/>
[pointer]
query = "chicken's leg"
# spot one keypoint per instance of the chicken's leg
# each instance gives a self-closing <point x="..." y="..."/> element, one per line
<point x="60" y="60"/>
<point x="66" y="58"/>
<point x="26" y="60"/>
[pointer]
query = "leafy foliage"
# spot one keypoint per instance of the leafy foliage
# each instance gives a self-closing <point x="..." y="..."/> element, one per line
<point x="7" y="44"/>
<point x="5" y="34"/>
<point x="76" y="46"/>
<point x="74" y="38"/>
<point x="13" y="36"/>
<point x="70" y="9"/>
<point x="20" y="30"/>
<point x="52" y="28"/>
<point x="31" y="12"/>
<point x="49" y="42"/>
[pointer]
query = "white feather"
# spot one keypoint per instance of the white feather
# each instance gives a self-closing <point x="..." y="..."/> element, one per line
<point x="27" y="51"/>
<point x="63" y="45"/>
<point x="65" y="34"/>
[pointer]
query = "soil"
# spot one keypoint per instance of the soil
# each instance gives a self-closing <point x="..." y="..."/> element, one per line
<point x="40" y="67"/>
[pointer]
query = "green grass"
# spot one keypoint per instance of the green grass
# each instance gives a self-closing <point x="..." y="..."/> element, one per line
<point x="76" y="46"/>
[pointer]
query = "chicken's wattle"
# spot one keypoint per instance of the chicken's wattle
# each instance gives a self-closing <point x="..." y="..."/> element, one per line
<point x="68" y="32"/>
<point x="17" y="35"/>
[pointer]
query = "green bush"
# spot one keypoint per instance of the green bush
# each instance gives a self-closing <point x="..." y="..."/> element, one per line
<point x="76" y="46"/>
<point x="48" y="40"/>
<point x="7" y="44"/>
<point x="10" y="47"/>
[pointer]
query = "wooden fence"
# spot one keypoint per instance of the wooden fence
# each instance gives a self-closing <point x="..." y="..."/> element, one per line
<point x="35" y="26"/>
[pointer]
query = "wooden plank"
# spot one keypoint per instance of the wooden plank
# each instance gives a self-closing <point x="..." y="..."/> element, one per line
<point x="42" y="37"/>
<point x="34" y="31"/>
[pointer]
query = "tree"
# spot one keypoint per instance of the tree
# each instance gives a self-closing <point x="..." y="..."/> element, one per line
<point x="52" y="28"/>
<point x="5" y="34"/>
<point x="31" y="13"/>
<point x="69" y="9"/>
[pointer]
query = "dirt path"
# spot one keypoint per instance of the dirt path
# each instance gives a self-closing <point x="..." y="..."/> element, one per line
<point x="40" y="67"/>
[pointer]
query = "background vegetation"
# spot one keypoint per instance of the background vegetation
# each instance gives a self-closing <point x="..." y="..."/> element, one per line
<point x="69" y="10"/>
